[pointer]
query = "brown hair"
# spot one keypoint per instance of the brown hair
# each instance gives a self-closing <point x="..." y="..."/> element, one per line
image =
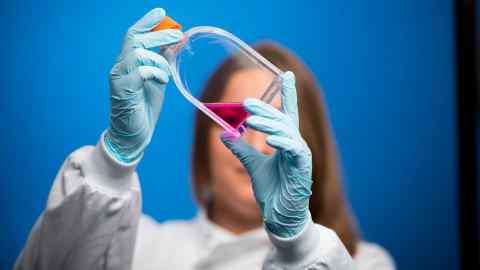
<point x="328" y="205"/>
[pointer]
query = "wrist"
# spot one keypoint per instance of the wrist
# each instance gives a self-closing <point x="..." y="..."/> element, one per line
<point x="287" y="226"/>
<point x="118" y="150"/>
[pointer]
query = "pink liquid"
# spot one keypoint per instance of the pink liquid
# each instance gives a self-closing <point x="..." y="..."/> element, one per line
<point x="231" y="112"/>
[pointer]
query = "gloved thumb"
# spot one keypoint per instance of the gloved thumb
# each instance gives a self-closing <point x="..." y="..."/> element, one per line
<point x="150" y="20"/>
<point x="241" y="149"/>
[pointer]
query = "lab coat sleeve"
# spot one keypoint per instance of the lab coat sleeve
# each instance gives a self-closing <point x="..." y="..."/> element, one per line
<point x="91" y="217"/>
<point x="315" y="247"/>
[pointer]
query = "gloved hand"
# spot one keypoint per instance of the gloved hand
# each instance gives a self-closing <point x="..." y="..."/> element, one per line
<point x="282" y="181"/>
<point x="137" y="84"/>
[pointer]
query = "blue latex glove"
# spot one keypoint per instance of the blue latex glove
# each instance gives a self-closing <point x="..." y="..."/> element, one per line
<point x="282" y="181"/>
<point x="137" y="84"/>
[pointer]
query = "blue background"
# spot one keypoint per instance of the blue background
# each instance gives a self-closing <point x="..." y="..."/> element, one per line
<point x="387" y="68"/>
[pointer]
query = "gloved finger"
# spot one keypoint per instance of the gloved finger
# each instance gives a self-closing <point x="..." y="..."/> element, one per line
<point x="289" y="145"/>
<point x="140" y="75"/>
<point x="289" y="96"/>
<point x="246" y="153"/>
<point x="153" y="39"/>
<point x="257" y="107"/>
<point x="270" y="126"/>
<point x="143" y="57"/>
<point x="148" y="21"/>
<point x="154" y="94"/>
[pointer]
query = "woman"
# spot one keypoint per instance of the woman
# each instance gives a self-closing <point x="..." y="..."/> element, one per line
<point x="261" y="202"/>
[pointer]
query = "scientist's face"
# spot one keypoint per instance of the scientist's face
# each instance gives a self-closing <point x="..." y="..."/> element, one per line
<point x="230" y="184"/>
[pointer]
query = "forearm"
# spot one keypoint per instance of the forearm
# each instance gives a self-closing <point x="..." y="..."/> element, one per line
<point x="315" y="247"/>
<point x="91" y="217"/>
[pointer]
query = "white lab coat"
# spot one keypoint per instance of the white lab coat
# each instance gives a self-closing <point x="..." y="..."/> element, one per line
<point x="93" y="220"/>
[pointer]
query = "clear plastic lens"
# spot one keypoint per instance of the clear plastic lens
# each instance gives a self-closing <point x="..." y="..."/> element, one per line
<point x="203" y="66"/>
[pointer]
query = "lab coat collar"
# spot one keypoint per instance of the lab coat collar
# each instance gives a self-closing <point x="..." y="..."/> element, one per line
<point x="215" y="235"/>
